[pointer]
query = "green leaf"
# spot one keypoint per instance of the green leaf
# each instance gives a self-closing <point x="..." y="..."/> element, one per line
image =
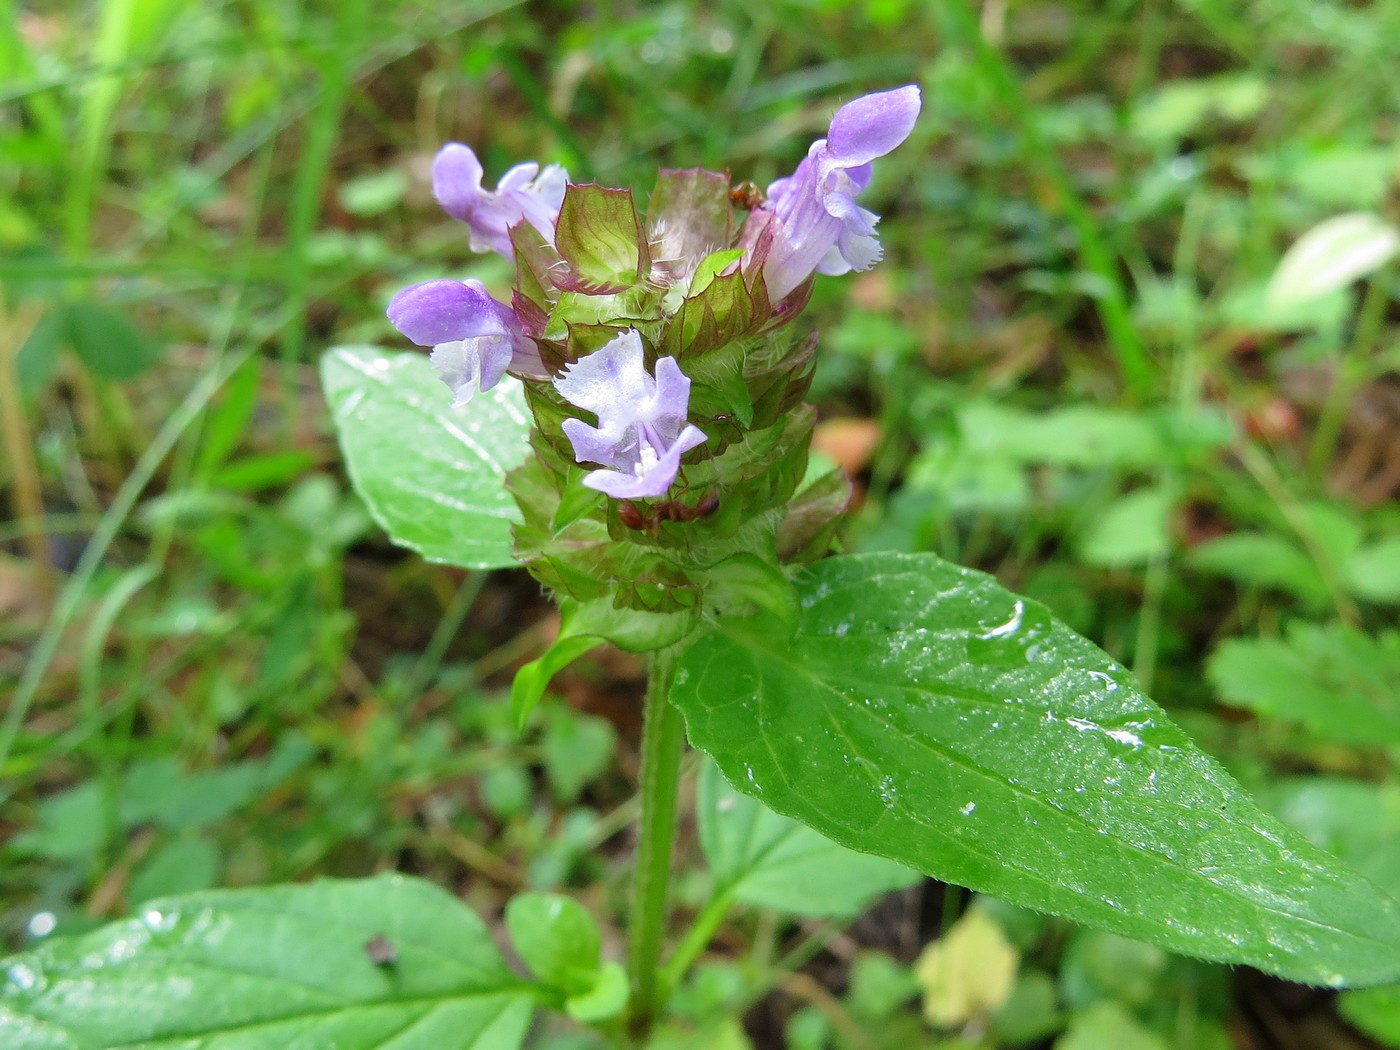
<point x="926" y="714"/>
<point x="432" y="476"/>
<point x="770" y="861"/>
<point x="557" y="939"/>
<point x="271" y="968"/>
<point x="1376" y="1011"/>
<point x="605" y="999"/>
<point x="1108" y="1024"/>
<point x="1342" y="684"/>
<point x="1330" y="256"/>
<point x="1357" y="820"/>
<point x="583" y="627"/>
<point x="533" y="678"/>
<point x="879" y="985"/>
<point x="109" y="344"/>
<point x="37" y="359"/>
<point x="577" y="748"/>
<point x="162" y="791"/>
<point x="1101" y="965"/>
<point x="1132" y="530"/>
<point x="1373" y="572"/>
<point x="183" y="866"/>
<point x="1262" y="559"/>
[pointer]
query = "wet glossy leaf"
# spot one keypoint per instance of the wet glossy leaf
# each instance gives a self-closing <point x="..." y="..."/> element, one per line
<point x="272" y="968"/>
<point x="924" y="713"/>
<point x="432" y="476"/>
<point x="772" y="861"/>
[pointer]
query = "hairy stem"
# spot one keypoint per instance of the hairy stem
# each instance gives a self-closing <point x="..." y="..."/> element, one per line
<point x="662" y="742"/>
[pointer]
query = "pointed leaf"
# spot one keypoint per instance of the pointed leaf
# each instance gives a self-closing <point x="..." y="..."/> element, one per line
<point x="926" y="714"/>
<point x="358" y="965"/>
<point x="432" y="476"/>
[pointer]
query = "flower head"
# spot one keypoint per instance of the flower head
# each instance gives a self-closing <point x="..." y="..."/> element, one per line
<point x="524" y="193"/>
<point x="811" y="222"/>
<point x="475" y="339"/>
<point x="642" y="430"/>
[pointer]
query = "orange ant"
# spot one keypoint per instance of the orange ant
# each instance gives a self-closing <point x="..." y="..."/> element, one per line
<point x="746" y="195"/>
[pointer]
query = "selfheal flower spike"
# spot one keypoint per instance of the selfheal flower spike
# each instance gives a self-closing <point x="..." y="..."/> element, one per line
<point x="811" y="222"/>
<point x="642" y="430"/>
<point x="524" y="193"/>
<point x="475" y="339"/>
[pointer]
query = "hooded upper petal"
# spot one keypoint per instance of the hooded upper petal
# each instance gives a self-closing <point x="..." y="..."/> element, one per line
<point x="871" y="126"/>
<point x="524" y="194"/>
<point x="811" y="221"/>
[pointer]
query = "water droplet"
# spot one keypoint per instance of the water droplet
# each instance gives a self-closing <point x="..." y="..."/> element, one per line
<point x="1010" y="627"/>
<point x="25" y="978"/>
<point x="42" y="923"/>
<point x="889" y="793"/>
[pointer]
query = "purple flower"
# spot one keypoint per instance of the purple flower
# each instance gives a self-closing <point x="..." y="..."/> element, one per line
<point x="475" y="339"/>
<point x="523" y="193"/>
<point x="811" y="221"/>
<point x="642" y="430"/>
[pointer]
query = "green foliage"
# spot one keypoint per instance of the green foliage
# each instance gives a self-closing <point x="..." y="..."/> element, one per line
<point x="1338" y="682"/>
<point x="972" y="725"/>
<point x="431" y="478"/>
<point x="769" y="861"/>
<point x="1135" y="201"/>
<point x="355" y="963"/>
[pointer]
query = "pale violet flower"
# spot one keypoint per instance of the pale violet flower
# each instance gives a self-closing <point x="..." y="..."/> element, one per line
<point x="642" y="430"/>
<point x="525" y="192"/>
<point x="811" y="222"/>
<point x="475" y="339"/>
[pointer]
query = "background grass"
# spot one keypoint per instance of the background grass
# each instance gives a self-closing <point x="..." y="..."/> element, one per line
<point x="1065" y="371"/>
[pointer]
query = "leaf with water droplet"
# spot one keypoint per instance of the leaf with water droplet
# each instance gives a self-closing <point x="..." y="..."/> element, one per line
<point x="1090" y="803"/>
<point x="771" y="861"/>
<point x="269" y="968"/>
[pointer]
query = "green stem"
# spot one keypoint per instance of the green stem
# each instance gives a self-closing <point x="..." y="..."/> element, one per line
<point x="1350" y="374"/>
<point x="663" y="740"/>
<point x="702" y="931"/>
